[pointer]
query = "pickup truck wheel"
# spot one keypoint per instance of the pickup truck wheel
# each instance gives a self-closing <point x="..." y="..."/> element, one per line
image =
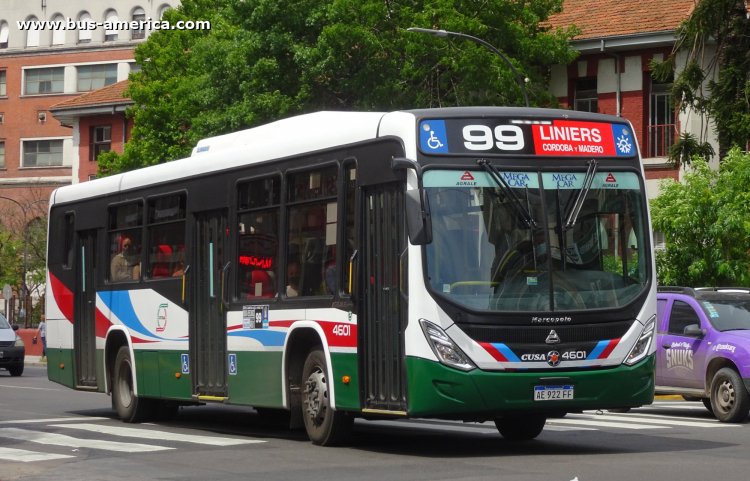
<point x="729" y="398"/>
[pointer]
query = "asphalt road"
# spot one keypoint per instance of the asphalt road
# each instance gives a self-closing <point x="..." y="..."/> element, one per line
<point x="48" y="432"/>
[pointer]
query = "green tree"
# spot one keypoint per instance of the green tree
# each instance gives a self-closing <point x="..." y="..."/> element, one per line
<point x="721" y="25"/>
<point x="267" y="59"/>
<point x="706" y="225"/>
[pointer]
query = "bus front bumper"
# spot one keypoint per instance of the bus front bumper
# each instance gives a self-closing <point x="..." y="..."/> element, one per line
<point x="439" y="391"/>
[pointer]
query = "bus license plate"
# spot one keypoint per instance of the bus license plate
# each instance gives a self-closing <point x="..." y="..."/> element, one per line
<point x="553" y="393"/>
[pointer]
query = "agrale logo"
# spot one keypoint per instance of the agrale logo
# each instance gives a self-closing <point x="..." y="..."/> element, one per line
<point x="552" y="338"/>
<point x="466" y="180"/>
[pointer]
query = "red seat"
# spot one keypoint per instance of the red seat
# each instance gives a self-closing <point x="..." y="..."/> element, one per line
<point x="162" y="259"/>
<point x="266" y="284"/>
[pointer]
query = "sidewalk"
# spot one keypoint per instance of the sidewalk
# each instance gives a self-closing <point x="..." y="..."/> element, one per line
<point x="35" y="361"/>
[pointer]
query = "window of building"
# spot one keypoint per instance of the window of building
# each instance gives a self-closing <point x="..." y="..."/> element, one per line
<point x="42" y="153"/>
<point x="166" y="236"/>
<point x="662" y="126"/>
<point x="139" y="15"/>
<point x="3" y="83"/>
<point x="311" y="231"/>
<point x="101" y="140"/>
<point x="2" y="154"/>
<point x="32" y="35"/>
<point x="585" y="97"/>
<point x="44" y="80"/>
<point x="258" y="208"/>
<point x="92" y="77"/>
<point x="110" y="21"/>
<point x="58" y="35"/>
<point x="4" y="34"/>
<point x="84" y="34"/>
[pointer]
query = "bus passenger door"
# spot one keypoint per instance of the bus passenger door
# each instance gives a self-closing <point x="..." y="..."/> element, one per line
<point x="208" y="337"/>
<point x="84" y="325"/>
<point x="382" y="322"/>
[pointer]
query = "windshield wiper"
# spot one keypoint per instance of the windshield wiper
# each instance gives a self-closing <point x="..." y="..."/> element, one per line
<point x="572" y="217"/>
<point x="517" y="204"/>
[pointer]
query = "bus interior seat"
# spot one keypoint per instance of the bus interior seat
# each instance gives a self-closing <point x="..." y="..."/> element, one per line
<point x="261" y="284"/>
<point x="162" y="260"/>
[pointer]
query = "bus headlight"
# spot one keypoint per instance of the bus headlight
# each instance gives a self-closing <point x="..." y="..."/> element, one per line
<point x="641" y="348"/>
<point x="444" y="348"/>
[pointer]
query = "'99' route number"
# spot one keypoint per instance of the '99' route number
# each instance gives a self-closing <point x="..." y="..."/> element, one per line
<point x="482" y="137"/>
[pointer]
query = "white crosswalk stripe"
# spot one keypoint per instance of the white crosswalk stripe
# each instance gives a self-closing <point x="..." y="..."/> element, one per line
<point x="68" y="441"/>
<point x="24" y="456"/>
<point x="158" y="435"/>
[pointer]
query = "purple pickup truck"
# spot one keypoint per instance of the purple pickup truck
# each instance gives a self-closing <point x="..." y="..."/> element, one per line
<point x="703" y="348"/>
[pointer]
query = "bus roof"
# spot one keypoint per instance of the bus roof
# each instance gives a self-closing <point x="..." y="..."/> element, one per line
<point x="280" y="139"/>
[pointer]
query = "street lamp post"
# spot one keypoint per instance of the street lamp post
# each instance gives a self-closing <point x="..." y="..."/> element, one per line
<point x="24" y="287"/>
<point x="445" y="33"/>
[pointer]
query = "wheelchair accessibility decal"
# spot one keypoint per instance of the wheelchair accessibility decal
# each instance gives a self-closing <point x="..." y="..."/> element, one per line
<point x="232" y="364"/>
<point x="432" y="136"/>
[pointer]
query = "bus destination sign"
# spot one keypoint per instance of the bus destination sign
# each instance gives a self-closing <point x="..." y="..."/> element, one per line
<point x="558" y="137"/>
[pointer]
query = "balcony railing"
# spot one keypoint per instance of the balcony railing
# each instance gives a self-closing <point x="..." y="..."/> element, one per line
<point x="660" y="138"/>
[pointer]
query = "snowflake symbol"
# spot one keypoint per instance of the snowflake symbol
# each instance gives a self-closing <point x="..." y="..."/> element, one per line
<point x="623" y="145"/>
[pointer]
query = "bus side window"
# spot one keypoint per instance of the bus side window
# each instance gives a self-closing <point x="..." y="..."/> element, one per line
<point x="166" y="236"/>
<point x="125" y="242"/>
<point x="259" y="209"/>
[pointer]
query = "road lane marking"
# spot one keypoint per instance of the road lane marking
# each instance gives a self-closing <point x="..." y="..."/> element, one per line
<point x="636" y="418"/>
<point x="158" y="435"/>
<point x="603" y="424"/>
<point x="53" y="420"/>
<point x="12" y="454"/>
<point x="63" y="440"/>
<point x="10" y="386"/>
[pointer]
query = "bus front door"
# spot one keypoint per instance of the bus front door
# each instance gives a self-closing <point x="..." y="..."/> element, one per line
<point x="382" y="320"/>
<point x="208" y="338"/>
<point x="84" y="332"/>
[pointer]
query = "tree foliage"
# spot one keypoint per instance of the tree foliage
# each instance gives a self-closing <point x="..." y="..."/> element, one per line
<point x="706" y="225"/>
<point x="723" y="25"/>
<point x="267" y="59"/>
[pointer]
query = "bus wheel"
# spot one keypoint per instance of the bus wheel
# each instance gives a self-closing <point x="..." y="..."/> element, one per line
<point x="520" y="427"/>
<point x="729" y="398"/>
<point x="324" y="426"/>
<point x="130" y="408"/>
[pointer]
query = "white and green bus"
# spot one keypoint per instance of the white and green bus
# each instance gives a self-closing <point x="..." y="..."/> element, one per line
<point x="459" y="263"/>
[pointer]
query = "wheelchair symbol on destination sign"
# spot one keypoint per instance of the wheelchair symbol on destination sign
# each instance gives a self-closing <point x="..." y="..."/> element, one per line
<point x="433" y="142"/>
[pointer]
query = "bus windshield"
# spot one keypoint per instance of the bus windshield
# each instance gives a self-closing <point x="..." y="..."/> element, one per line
<point x="485" y="256"/>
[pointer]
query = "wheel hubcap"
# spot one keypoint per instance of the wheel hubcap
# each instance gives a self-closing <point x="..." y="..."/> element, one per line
<point x="316" y="394"/>
<point x="725" y="396"/>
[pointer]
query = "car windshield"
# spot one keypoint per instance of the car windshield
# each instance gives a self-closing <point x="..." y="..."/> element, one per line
<point x="728" y="315"/>
<point x="525" y="251"/>
<point x="4" y="322"/>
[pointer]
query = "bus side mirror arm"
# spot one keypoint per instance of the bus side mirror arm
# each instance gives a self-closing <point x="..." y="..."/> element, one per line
<point x="418" y="220"/>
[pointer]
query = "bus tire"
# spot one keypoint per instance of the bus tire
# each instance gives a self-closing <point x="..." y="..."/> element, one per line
<point x="324" y="426"/>
<point x="729" y="398"/>
<point x="520" y="427"/>
<point x="130" y="408"/>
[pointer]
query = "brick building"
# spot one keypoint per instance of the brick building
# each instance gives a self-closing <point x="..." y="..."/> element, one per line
<point x="618" y="41"/>
<point x="44" y="64"/>
<point x="98" y="124"/>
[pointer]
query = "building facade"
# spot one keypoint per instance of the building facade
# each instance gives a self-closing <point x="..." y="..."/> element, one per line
<point x="53" y="51"/>
<point x="618" y="41"/>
